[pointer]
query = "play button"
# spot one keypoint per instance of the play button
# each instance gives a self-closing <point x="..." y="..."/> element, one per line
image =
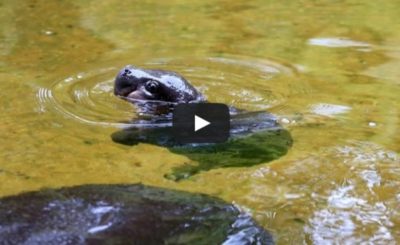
<point x="201" y="123"/>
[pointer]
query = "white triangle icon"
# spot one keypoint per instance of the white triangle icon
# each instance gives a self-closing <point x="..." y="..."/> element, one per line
<point x="199" y="123"/>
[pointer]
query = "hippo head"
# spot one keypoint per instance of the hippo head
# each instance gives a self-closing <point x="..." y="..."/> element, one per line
<point x="133" y="84"/>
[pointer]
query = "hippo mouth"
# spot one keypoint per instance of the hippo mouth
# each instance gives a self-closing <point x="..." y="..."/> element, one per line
<point x="138" y="100"/>
<point x="140" y="95"/>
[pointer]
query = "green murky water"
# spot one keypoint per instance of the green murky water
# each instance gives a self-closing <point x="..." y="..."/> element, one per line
<point x="329" y="70"/>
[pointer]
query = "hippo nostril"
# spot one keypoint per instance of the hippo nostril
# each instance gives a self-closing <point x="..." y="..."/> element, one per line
<point x="126" y="72"/>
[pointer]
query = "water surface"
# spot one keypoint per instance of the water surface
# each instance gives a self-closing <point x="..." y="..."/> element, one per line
<point x="328" y="70"/>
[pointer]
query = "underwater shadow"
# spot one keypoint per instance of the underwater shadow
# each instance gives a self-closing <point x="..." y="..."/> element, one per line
<point x="124" y="214"/>
<point x="255" y="137"/>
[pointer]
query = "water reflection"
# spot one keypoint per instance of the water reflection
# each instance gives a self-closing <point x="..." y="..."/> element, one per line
<point x="336" y="42"/>
<point x="43" y="146"/>
<point x="255" y="137"/>
<point x="349" y="206"/>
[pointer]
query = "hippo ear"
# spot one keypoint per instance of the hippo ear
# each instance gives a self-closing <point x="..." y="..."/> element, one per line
<point x="152" y="86"/>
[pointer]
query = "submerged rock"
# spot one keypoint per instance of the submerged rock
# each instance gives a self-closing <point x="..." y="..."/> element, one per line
<point x="124" y="214"/>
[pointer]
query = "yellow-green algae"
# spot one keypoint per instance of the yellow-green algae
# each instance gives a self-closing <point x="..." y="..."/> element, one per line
<point x="340" y="180"/>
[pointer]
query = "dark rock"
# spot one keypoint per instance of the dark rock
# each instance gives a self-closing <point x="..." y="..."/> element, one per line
<point x="124" y="214"/>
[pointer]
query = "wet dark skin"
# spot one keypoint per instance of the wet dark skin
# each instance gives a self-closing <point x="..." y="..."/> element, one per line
<point x="136" y="84"/>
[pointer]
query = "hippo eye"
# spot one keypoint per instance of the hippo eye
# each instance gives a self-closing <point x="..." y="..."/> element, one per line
<point x="152" y="86"/>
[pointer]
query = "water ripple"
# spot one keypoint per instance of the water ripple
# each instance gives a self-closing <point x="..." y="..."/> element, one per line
<point x="242" y="82"/>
